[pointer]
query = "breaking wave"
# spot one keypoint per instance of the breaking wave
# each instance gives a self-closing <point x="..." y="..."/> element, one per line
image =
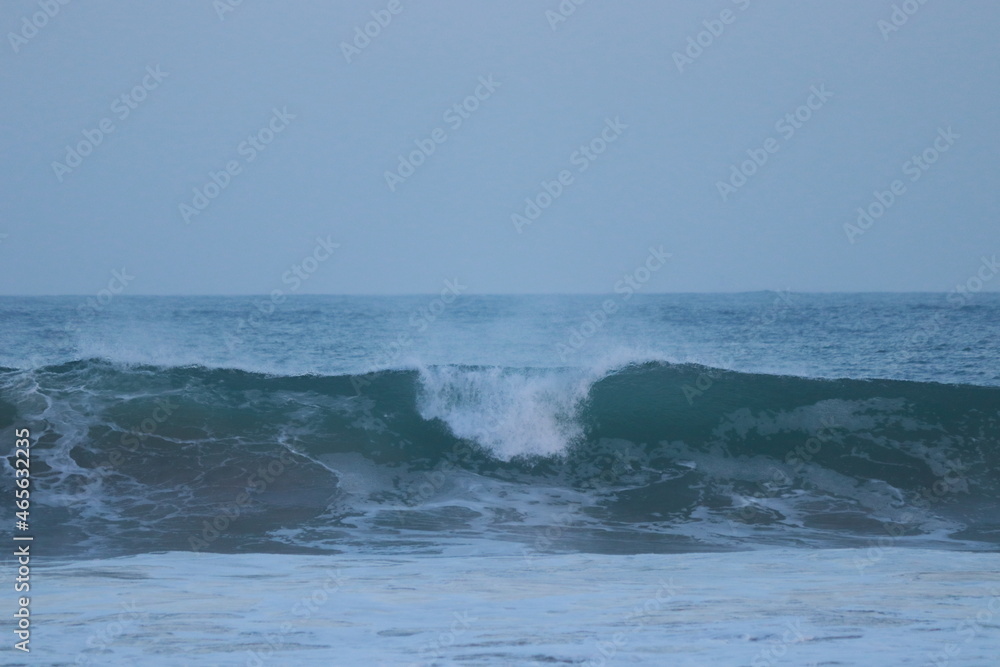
<point x="642" y="457"/>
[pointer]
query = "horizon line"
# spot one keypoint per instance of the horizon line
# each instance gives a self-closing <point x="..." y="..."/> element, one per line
<point x="432" y="294"/>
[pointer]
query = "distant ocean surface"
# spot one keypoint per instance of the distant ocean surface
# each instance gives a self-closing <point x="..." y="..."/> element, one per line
<point x="590" y="431"/>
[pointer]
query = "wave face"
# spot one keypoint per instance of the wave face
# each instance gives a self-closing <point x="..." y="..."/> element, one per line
<point x="650" y="457"/>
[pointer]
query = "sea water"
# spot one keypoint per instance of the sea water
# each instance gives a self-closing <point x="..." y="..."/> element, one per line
<point x="746" y="479"/>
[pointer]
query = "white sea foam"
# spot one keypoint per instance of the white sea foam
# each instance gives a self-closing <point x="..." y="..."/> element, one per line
<point x="511" y="413"/>
<point x="517" y="412"/>
<point x="769" y="607"/>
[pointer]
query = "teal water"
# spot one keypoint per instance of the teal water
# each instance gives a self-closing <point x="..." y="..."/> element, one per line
<point x="670" y="423"/>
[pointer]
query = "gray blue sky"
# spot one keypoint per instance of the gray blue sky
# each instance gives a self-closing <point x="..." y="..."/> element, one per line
<point x="674" y="127"/>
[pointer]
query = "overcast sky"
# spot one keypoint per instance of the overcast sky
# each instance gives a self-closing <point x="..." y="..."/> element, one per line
<point x="667" y="99"/>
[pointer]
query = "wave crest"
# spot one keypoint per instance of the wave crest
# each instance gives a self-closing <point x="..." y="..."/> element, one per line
<point x="653" y="447"/>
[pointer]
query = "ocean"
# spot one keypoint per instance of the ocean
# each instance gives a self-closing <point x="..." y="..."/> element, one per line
<point x="743" y="479"/>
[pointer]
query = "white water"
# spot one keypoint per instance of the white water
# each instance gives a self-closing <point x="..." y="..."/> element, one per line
<point x="777" y="607"/>
<point x="508" y="412"/>
<point x="517" y="412"/>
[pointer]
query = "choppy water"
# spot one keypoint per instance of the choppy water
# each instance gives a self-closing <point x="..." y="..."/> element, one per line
<point x="526" y="429"/>
<point x="710" y="422"/>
